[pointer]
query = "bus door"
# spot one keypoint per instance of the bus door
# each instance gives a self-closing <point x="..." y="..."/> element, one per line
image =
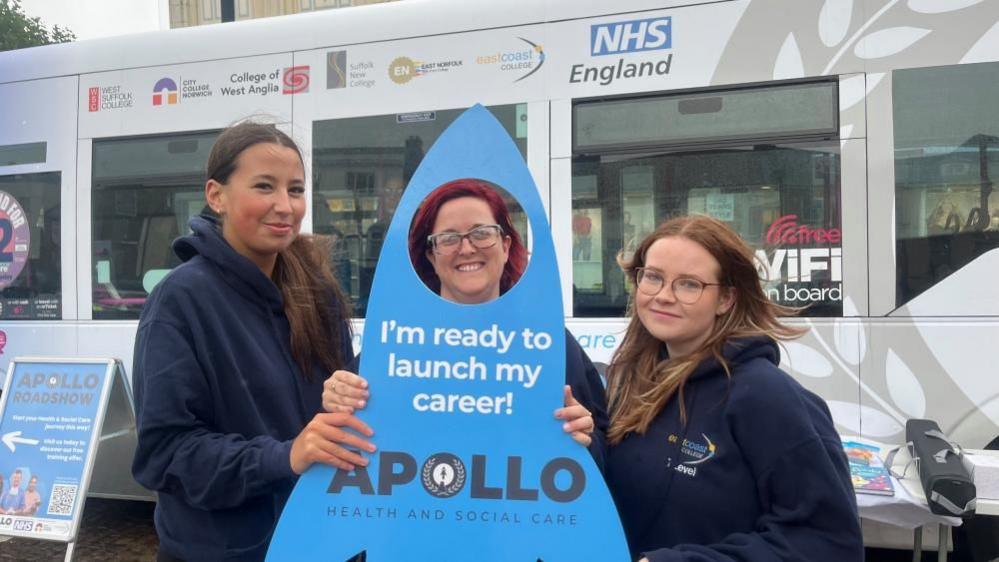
<point x="37" y="198"/>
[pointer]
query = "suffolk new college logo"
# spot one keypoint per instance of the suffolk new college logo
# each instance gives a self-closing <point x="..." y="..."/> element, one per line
<point x="165" y="90"/>
<point x="336" y="70"/>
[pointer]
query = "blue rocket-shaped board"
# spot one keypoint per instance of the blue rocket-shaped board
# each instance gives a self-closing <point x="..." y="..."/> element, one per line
<point x="471" y="465"/>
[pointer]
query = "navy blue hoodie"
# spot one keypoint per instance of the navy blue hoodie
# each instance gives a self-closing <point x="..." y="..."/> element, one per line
<point x="219" y="399"/>
<point x="757" y="473"/>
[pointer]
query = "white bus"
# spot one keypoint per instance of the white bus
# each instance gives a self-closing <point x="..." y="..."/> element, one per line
<point x="852" y="142"/>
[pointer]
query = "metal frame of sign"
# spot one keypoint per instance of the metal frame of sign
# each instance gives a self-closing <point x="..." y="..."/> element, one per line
<point x="114" y="374"/>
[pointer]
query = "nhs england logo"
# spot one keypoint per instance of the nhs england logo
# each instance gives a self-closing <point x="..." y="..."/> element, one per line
<point x="631" y="36"/>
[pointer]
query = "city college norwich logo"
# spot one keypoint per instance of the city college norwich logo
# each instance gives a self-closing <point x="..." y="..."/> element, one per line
<point x="295" y="80"/>
<point x="165" y="90"/>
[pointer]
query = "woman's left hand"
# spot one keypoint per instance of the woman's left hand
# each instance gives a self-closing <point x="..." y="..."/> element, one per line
<point x="578" y="420"/>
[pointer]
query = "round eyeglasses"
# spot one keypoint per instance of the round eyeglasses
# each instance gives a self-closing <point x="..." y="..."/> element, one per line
<point x="687" y="290"/>
<point x="482" y="237"/>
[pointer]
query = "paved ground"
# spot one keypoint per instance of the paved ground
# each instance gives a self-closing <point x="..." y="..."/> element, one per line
<point x="112" y="531"/>
<point x="122" y="531"/>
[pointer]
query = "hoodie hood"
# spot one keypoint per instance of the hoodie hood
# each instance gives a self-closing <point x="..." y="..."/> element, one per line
<point x="238" y="272"/>
<point x="738" y="351"/>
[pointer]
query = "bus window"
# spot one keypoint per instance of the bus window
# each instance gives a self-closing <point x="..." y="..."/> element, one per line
<point x="946" y="159"/>
<point x="780" y="191"/>
<point x="144" y="192"/>
<point x="360" y="167"/>
<point x="30" y="247"/>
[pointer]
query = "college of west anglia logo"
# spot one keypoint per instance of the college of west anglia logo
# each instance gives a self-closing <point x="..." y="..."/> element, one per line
<point x="295" y="79"/>
<point x="443" y="475"/>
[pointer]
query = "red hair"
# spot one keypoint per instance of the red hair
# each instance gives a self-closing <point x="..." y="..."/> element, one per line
<point x="426" y="216"/>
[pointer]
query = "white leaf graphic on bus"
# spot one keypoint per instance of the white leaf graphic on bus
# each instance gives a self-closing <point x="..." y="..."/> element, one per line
<point x="863" y="420"/>
<point x="888" y="42"/>
<point x="802" y="359"/>
<point x="850" y="337"/>
<point x="940" y="6"/>
<point x="875" y="423"/>
<point x="851" y="91"/>
<point x="788" y="63"/>
<point x="983" y="49"/>
<point x="834" y="21"/>
<point x="873" y="79"/>
<point x="904" y="387"/>
<point x="845" y="415"/>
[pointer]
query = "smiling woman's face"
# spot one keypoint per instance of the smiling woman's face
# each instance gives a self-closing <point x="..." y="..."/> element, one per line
<point x="683" y="327"/>
<point x="470" y="275"/>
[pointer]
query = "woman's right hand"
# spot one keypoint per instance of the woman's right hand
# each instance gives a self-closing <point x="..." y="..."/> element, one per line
<point x="325" y="439"/>
<point x="345" y="392"/>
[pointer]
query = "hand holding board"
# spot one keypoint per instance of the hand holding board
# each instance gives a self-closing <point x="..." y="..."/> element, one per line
<point x="471" y="461"/>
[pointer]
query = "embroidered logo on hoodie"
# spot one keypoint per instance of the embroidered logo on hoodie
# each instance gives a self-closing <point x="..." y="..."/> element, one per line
<point x="693" y="453"/>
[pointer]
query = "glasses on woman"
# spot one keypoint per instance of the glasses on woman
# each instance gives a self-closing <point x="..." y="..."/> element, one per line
<point x="686" y="289"/>
<point x="482" y="237"/>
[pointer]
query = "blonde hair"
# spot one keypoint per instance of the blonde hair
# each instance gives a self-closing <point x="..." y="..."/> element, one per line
<point x="640" y="382"/>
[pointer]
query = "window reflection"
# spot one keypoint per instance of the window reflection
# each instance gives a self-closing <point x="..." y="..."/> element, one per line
<point x="763" y="159"/>
<point x="946" y="154"/>
<point x="144" y="192"/>
<point x="30" y="247"/>
<point x="783" y="200"/>
<point x="361" y="167"/>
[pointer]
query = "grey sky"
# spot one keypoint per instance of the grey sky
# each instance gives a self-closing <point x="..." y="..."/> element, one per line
<point x="90" y="19"/>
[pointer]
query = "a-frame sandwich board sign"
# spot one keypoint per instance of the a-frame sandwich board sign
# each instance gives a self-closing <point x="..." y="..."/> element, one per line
<point x="53" y="417"/>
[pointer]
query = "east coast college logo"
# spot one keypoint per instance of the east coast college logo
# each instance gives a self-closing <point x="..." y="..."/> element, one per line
<point x="443" y="475"/>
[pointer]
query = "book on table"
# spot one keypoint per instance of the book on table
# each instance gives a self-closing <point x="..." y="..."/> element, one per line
<point x="867" y="470"/>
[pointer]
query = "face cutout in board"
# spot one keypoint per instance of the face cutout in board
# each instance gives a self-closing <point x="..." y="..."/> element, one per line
<point x="471" y="462"/>
<point x="466" y="241"/>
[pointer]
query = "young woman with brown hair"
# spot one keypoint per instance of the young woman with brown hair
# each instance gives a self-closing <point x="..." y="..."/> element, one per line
<point x="714" y="452"/>
<point x="231" y="354"/>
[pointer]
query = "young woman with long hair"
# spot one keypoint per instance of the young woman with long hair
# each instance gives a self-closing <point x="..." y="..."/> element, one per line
<point x="714" y="452"/>
<point x="231" y="353"/>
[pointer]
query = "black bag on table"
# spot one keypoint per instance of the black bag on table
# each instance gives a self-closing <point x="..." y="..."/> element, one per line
<point x="948" y="486"/>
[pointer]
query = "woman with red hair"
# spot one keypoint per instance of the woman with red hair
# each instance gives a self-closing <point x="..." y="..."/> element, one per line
<point x="464" y="247"/>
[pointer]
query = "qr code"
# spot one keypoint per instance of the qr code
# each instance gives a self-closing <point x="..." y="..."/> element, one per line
<point x="62" y="499"/>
